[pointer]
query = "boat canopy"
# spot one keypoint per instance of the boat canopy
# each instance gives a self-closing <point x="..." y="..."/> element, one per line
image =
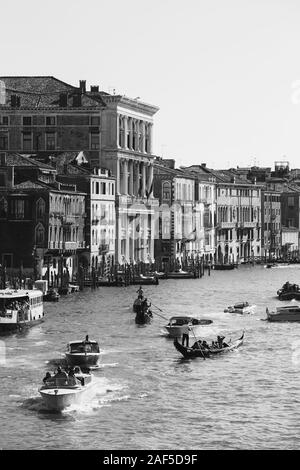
<point x="83" y="347"/>
<point x="183" y="321"/>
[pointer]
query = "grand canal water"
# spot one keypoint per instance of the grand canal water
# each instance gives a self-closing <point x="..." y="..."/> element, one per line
<point x="147" y="396"/>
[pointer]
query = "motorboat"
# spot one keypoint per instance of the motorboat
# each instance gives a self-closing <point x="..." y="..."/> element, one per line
<point x="223" y="267"/>
<point x="179" y="325"/>
<point x="83" y="353"/>
<point x="60" y="393"/>
<point x="51" y="296"/>
<point x="241" y="307"/>
<point x="144" y="280"/>
<point x="180" y="274"/>
<point x="20" y="308"/>
<point x="198" y="350"/>
<point x="289" y="292"/>
<point x="285" y="313"/>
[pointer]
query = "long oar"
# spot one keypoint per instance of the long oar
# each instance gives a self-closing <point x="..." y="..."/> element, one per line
<point x="162" y="316"/>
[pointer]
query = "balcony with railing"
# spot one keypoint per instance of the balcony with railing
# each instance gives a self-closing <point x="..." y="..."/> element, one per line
<point x="227" y="224"/>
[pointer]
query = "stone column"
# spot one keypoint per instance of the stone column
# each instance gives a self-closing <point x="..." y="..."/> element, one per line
<point x="150" y="180"/>
<point x="131" y="169"/>
<point x="118" y="130"/>
<point x="118" y="189"/>
<point x="125" y="176"/>
<point x="150" y="138"/>
<point x="143" y="136"/>
<point x="125" y="131"/>
<point x="143" y="179"/>
<point x="137" y="135"/>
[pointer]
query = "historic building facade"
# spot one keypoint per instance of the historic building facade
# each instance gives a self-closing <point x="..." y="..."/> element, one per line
<point x="45" y="116"/>
<point x="41" y="221"/>
<point x="100" y="228"/>
<point x="271" y="223"/>
<point x="126" y="149"/>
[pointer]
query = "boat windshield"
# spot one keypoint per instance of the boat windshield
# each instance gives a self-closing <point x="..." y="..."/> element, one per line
<point x="84" y="347"/>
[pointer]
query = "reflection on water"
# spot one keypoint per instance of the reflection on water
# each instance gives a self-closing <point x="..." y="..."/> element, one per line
<point x="147" y="396"/>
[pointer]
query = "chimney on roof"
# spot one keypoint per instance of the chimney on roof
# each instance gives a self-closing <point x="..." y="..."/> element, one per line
<point x="82" y="86"/>
<point x="203" y="165"/>
<point x="95" y="89"/>
<point x="63" y="100"/>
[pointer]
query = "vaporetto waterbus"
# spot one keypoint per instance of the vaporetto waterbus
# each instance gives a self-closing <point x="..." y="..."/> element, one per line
<point x="20" y="308"/>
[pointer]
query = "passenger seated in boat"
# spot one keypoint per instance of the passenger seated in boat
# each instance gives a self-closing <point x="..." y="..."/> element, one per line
<point x="61" y="376"/>
<point x="197" y="344"/>
<point x="72" y="378"/>
<point x="47" y="377"/>
<point x="205" y="345"/>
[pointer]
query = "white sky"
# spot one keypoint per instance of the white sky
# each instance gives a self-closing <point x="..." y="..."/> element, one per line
<point x="223" y="72"/>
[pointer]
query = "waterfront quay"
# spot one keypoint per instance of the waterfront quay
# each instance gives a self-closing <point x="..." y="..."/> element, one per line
<point x="147" y="395"/>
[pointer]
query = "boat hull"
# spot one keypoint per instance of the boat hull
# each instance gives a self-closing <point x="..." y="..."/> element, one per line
<point x="283" y="317"/>
<point x="83" y="360"/>
<point x="7" y="327"/>
<point x="58" y="399"/>
<point x="189" y="353"/>
<point x="289" y="296"/>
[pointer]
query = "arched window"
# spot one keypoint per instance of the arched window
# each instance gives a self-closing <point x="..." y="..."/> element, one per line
<point x="40" y="208"/>
<point x="166" y="190"/>
<point x="39" y="235"/>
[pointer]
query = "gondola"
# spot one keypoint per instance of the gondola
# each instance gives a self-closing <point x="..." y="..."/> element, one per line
<point x="192" y="352"/>
<point x="143" y="316"/>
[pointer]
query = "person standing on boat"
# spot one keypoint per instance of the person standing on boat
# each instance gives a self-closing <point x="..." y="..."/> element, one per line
<point x="140" y="293"/>
<point x="185" y="339"/>
<point x="220" y="341"/>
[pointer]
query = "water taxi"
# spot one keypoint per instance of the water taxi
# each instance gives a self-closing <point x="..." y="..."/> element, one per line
<point x="63" y="390"/>
<point x="285" y="313"/>
<point x="241" y="307"/>
<point x="20" y="308"/>
<point x="180" y="325"/>
<point x="83" y="353"/>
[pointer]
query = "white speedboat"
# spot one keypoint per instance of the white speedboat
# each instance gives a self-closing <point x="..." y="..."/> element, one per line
<point x="241" y="307"/>
<point x="83" y="353"/>
<point x="20" y="308"/>
<point x="285" y="313"/>
<point x="180" y="325"/>
<point x="59" y="393"/>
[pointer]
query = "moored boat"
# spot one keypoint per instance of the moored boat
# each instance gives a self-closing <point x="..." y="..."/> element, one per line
<point x="197" y="350"/>
<point x="223" y="267"/>
<point x="83" y="353"/>
<point x="20" y="309"/>
<point x="61" y="391"/>
<point x="144" y="280"/>
<point x="51" y="296"/>
<point x="179" y="325"/>
<point x="286" y="313"/>
<point x="241" y="307"/>
<point x="181" y="275"/>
